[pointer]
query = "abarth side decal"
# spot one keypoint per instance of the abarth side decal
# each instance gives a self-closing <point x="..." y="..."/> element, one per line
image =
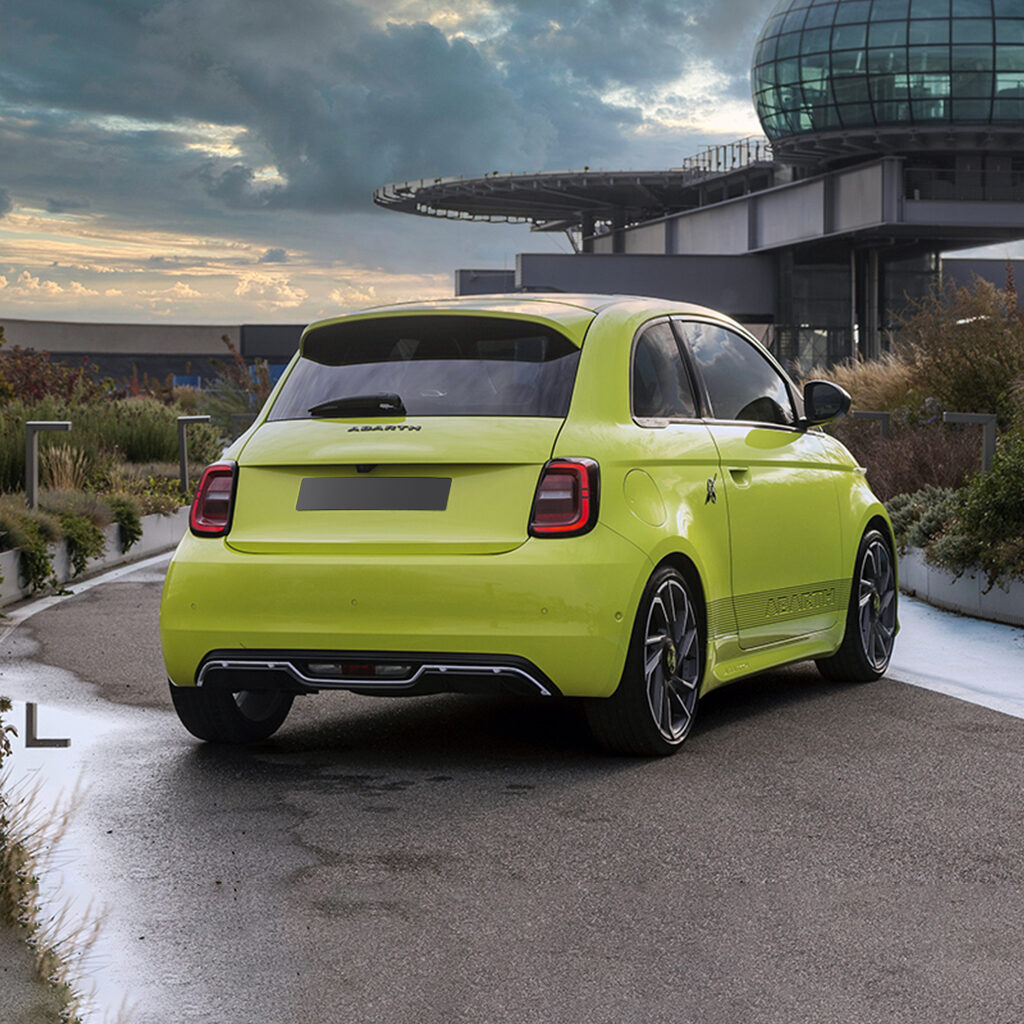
<point x="721" y="618"/>
<point x="760" y="609"/>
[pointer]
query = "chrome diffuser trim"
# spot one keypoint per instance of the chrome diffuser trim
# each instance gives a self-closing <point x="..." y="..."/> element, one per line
<point x="361" y="683"/>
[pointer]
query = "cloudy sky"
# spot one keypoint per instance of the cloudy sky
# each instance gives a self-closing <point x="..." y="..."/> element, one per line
<point x="212" y="161"/>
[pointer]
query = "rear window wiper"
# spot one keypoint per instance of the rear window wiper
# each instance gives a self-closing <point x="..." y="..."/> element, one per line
<point x="360" y="405"/>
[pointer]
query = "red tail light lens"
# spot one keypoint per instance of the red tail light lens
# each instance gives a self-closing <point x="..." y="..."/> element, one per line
<point x="565" y="504"/>
<point x="215" y="498"/>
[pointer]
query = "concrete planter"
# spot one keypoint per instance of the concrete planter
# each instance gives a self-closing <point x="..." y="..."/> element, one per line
<point x="159" y="533"/>
<point x="965" y="595"/>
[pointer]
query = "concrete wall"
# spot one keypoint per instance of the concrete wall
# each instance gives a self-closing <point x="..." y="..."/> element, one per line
<point x="718" y="230"/>
<point x="484" y="282"/>
<point x="119" y="339"/>
<point x="742" y="286"/>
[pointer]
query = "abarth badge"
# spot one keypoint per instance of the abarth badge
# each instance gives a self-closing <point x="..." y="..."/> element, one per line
<point x="712" y="496"/>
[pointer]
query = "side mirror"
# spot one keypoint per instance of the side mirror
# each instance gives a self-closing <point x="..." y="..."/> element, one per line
<point x="824" y="401"/>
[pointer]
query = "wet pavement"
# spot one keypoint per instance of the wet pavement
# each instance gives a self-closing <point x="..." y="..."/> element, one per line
<point x="815" y="852"/>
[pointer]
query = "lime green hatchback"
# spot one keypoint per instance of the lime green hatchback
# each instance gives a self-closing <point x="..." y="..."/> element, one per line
<point x="619" y="499"/>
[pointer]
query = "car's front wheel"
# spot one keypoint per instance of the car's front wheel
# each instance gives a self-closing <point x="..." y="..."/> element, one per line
<point x="220" y="716"/>
<point x="871" y="616"/>
<point x="654" y="707"/>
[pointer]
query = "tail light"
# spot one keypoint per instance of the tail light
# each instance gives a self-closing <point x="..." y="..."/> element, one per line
<point x="215" y="499"/>
<point x="565" y="504"/>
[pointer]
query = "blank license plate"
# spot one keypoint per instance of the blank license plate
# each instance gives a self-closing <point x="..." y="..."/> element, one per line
<point x="385" y="494"/>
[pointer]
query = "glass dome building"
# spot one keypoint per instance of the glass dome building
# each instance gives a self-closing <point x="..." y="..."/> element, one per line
<point x="919" y="66"/>
<point x="895" y="137"/>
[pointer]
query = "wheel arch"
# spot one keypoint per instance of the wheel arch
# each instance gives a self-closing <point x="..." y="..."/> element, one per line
<point x="687" y="568"/>
<point x="882" y="524"/>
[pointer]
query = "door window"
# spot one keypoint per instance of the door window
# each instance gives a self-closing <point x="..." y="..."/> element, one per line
<point x="741" y="384"/>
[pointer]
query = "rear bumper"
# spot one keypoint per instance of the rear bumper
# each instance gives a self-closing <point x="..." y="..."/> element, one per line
<point x="560" y="611"/>
<point x="381" y="673"/>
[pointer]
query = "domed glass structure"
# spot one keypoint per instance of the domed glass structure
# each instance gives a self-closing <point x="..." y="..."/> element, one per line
<point x="834" y="65"/>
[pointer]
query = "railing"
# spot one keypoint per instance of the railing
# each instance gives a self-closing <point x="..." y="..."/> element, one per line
<point x="731" y="156"/>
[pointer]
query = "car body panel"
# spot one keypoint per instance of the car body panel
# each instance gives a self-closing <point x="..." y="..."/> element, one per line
<point x="788" y="576"/>
<point x="499" y="457"/>
<point x="546" y="601"/>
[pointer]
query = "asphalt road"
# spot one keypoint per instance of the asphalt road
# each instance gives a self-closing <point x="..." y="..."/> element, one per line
<point x="816" y="853"/>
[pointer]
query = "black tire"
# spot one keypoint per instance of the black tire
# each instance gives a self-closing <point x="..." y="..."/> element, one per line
<point x="220" y="716"/>
<point x="651" y="712"/>
<point x="870" y="633"/>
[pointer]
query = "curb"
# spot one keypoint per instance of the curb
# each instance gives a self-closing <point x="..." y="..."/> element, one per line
<point x="964" y="594"/>
<point x="159" y="533"/>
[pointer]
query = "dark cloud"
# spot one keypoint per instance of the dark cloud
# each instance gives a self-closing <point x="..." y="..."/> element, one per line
<point x="274" y="256"/>
<point x="65" y="205"/>
<point x="335" y="101"/>
<point x="6" y="203"/>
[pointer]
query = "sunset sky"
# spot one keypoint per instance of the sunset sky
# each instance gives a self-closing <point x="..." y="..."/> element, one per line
<point x="212" y="161"/>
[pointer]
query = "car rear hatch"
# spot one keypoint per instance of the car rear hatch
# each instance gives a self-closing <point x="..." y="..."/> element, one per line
<point x="410" y="434"/>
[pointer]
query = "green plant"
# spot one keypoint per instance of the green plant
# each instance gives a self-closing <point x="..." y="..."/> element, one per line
<point x="84" y="540"/>
<point x="988" y="529"/>
<point x="920" y="517"/>
<point x="82" y="517"/>
<point x="31" y="532"/>
<point x="125" y="510"/>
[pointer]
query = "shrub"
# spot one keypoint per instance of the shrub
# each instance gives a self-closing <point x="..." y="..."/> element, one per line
<point x="913" y="457"/>
<point x="30" y="375"/>
<point x="988" y="529"/>
<point x="31" y="532"/>
<point x="919" y="518"/>
<point x="126" y="513"/>
<point x="965" y="346"/>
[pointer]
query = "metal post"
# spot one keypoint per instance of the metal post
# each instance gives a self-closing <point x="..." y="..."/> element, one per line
<point x="884" y="418"/>
<point x="988" y="436"/>
<point x="32" y="429"/>
<point x="183" y="422"/>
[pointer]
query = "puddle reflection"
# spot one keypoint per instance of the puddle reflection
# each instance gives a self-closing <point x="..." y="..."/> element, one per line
<point x="47" y="774"/>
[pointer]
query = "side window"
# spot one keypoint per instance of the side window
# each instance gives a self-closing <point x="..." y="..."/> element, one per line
<point x="661" y="385"/>
<point x="741" y="383"/>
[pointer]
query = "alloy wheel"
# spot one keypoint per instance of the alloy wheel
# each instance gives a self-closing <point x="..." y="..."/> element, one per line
<point x="876" y="612"/>
<point x="672" y="659"/>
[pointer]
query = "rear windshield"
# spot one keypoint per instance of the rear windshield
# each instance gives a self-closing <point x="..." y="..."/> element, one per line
<point x="436" y="365"/>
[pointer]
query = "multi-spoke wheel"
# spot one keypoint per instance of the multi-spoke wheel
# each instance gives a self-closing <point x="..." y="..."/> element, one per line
<point x="652" y="710"/>
<point x="224" y="717"/>
<point x="871" y="617"/>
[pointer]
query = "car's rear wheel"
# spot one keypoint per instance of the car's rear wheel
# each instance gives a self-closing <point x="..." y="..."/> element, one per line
<point x="651" y="712"/>
<point x="221" y="716"/>
<point x="871" y="617"/>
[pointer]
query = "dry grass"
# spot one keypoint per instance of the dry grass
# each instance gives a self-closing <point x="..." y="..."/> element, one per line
<point x="62" y="941"/>
<point x="64" y="468"/>
<point x="881" y="384"/>
<point x="913" y="457"/>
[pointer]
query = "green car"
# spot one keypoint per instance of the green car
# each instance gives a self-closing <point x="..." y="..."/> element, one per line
<point x="618" y="499"/>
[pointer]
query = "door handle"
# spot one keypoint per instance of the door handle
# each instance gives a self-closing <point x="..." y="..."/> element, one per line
<point x="740" y="475"/>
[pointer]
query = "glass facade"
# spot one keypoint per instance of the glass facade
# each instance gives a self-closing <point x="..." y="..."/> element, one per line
<point x="827" y="65"/>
